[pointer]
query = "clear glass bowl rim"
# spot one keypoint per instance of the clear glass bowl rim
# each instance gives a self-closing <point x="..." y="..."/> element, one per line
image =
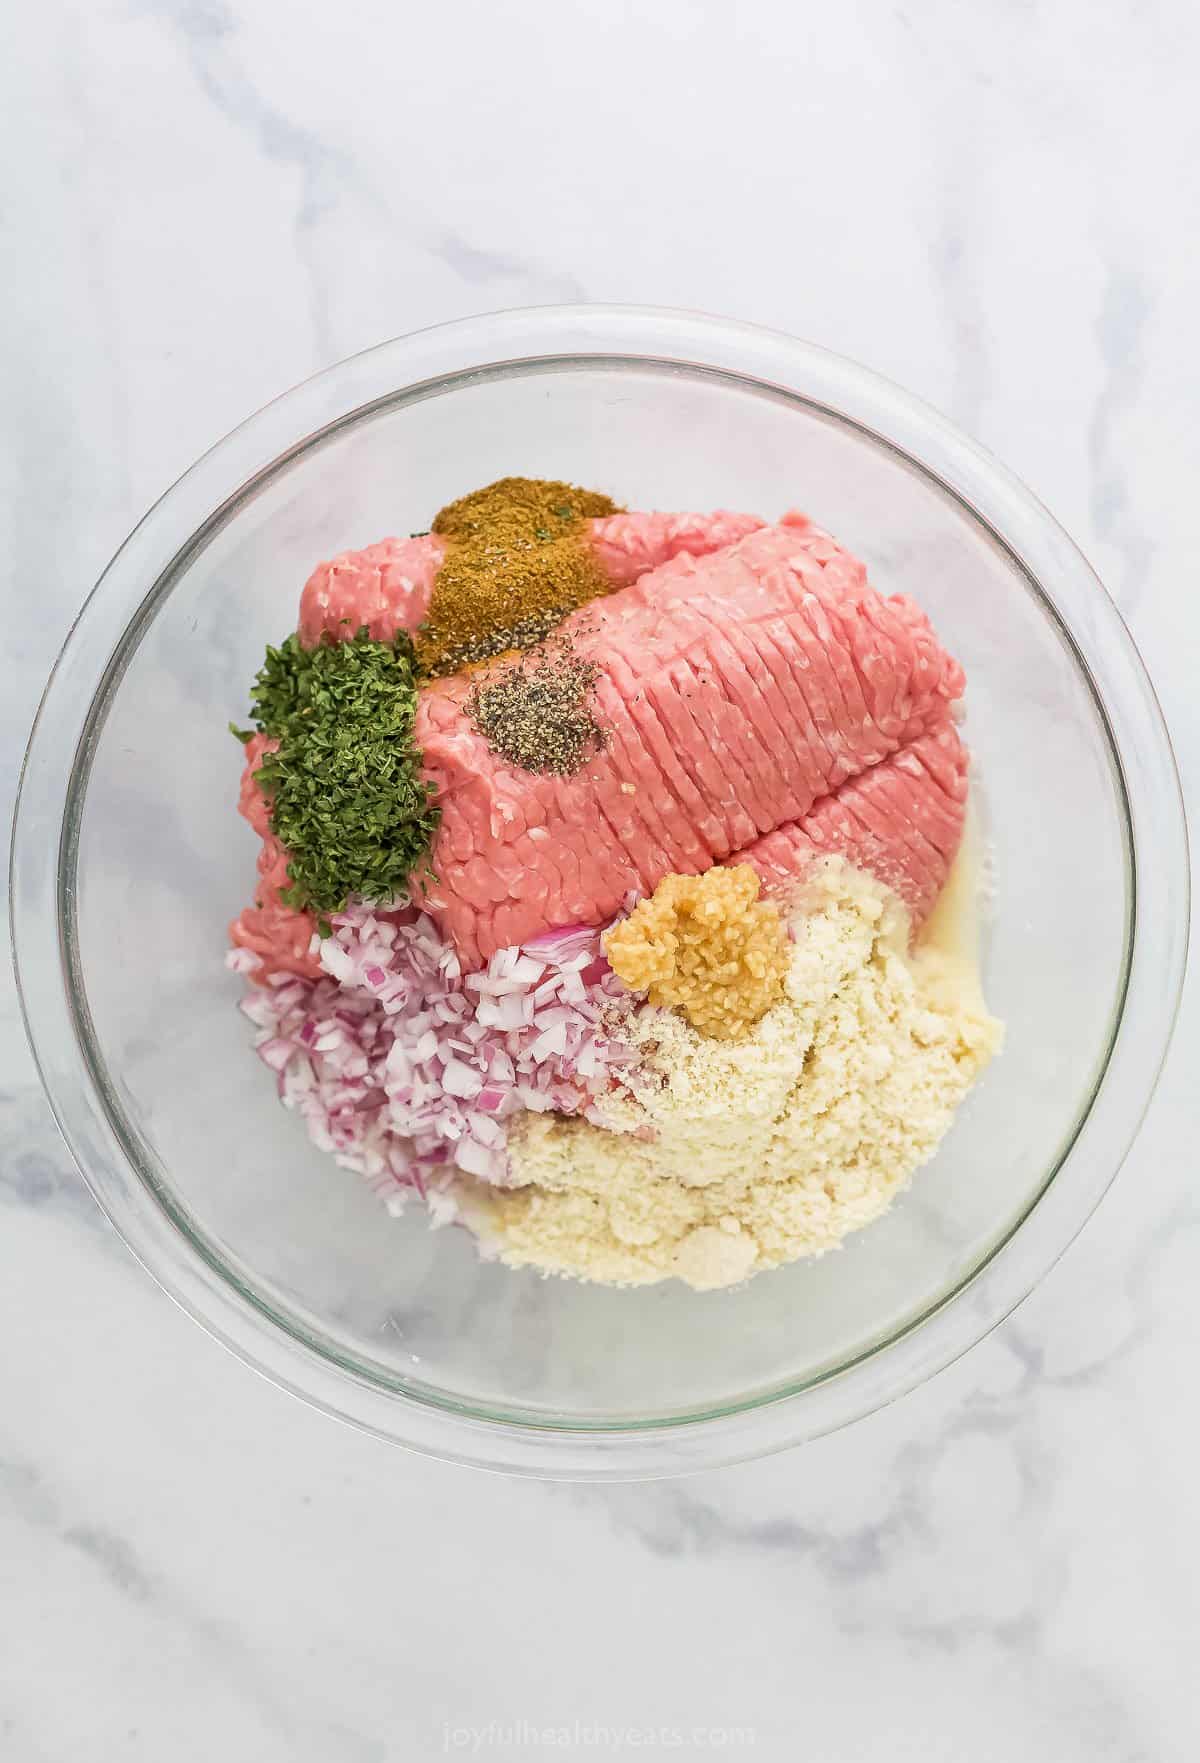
<point x="424" y="363"/>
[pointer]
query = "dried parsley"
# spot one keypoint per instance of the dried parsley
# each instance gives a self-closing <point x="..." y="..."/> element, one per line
<point x="537" y="714"/>
<point x="345" y="789"/>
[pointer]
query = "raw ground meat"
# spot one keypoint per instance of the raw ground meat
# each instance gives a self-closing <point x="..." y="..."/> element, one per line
<point x="737" y="691"/>
<point x="762" y="704"/>
<point x="388" y="586"/>
<point x="278" y="934"/>
<point x="901" y="822"/>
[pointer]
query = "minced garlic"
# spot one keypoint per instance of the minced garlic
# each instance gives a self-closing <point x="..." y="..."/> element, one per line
<point x="727" y="1157"/>
<point x="706" y="945"/>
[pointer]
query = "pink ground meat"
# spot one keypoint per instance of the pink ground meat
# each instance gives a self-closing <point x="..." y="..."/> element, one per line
<point x="761" y="702"/>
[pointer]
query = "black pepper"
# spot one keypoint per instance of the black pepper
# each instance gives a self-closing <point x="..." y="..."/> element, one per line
<point x="537" y="712"/>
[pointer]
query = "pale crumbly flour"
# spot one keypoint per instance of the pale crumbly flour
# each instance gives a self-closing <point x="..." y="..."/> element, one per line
<point x="726" y="1158"/>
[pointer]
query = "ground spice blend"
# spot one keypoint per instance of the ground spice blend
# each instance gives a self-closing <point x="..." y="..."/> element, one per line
<point x="517" y="561"/>
<point x="537" y="712"/>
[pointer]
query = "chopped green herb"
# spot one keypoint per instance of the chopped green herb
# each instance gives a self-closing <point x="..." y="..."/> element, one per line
<point x="346" y="794"/>
<point x="241" y="734"/>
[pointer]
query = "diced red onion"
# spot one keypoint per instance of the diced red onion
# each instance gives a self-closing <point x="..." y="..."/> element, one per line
<point x="275" y="1052"/>
<point x="408" y="1072"/>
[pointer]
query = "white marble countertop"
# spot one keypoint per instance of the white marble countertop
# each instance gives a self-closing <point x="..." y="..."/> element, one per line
<point x="208" y="199"/>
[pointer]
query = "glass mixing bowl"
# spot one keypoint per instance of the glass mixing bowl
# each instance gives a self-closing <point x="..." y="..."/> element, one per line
<point x="129" y="860"/>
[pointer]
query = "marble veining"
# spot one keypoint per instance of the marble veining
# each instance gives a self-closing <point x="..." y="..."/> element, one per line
<point x="207" y="200"/>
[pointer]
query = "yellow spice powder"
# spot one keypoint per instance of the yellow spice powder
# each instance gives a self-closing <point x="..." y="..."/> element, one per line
<point x="706" y="945"/>
<point x="765" y="1149"/>
<point x="517" y="561"/>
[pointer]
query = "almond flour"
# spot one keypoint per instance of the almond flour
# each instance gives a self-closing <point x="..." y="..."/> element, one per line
<point x="723" y="1158"/>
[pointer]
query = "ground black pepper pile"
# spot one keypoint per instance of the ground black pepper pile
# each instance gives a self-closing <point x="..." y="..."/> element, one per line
<point x="537" y="713"/>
